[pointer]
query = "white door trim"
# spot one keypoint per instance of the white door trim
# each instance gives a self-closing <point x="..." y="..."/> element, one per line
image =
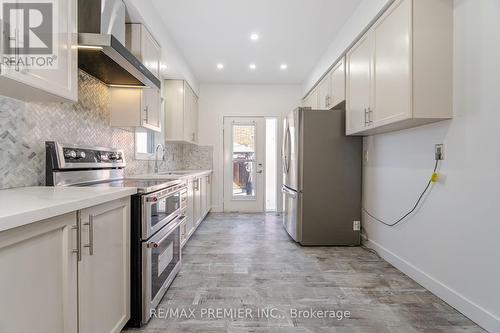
<point x="255" y="203"/>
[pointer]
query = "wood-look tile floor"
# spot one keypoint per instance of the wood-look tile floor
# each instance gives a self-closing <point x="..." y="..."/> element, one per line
<point x="247" y="262"/>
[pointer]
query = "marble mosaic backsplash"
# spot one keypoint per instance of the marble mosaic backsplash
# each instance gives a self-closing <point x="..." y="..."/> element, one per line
<point x="24" y="128"/>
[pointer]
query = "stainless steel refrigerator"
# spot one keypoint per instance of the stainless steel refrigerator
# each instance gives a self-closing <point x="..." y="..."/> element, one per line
<point x="322" y="178"/>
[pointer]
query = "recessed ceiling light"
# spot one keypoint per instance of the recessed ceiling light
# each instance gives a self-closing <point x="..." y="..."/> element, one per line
<point x="283" y="66"/>
<point x="252" y="66"/>
<point x="254" y="36"/>
<point x="220" y="66"/>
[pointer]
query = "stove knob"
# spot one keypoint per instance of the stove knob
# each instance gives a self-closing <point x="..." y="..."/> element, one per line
<point x="70" y="154"/>
<point x="112" y="156"/>
<point x="81" y="155"/>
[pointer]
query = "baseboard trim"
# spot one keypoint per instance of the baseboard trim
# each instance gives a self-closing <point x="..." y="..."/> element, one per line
<point x="216" y="209"/>
<point x="473" y="311"/>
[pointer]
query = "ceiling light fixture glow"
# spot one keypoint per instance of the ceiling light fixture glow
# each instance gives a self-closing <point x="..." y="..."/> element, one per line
<point x="252" y="66"/>
<point x="283" y="67"/>
<point x="220" y="66"/>
<point x="254" y="36"/>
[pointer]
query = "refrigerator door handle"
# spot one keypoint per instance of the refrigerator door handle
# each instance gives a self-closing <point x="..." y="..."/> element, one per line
<point x="289" y="192"/>
<point x="288" y="152"/>
<point x="285" y="151"/>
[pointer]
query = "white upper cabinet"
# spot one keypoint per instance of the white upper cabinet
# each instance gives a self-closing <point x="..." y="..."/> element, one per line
<point x="358" y="95"/>
<point x="330" y="91"/>
<point x="337" y="81"/>
<point x="59" y="83"/>
<point x="312" y="100"/>
<point x="139" y="107"/>
<point x="399" y="74"/>
<point x="392" y="66"/>
<point x="324" y="89"/>
<point x="144" y="47"/>
<point x="135" y="107"/>
<point x="181" y="112"/>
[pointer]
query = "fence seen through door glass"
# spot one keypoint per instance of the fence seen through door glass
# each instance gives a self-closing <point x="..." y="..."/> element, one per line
<point x="244" y="161"/>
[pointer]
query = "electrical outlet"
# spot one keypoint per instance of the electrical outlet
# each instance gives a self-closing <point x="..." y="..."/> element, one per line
<point x="356" y="225"/>
<point x="439" y="152"/>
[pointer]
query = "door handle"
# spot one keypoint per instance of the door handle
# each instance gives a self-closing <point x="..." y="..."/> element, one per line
<point x="90" y="245"/>
<point x="78" y="228"/>
<point x="146" y="114"/>
<point x="289" y="192"/>
<point x="289" y="152"/>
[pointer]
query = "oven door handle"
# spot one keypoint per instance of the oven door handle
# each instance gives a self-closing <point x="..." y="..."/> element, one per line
<point x="155" y="197"/>
<point x="172" y="225"/>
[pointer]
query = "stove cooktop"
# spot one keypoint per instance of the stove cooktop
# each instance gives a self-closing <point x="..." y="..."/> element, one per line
<point x="142" y="185"/>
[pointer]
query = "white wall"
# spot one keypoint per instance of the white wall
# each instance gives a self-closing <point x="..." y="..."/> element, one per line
<point x="450" y="245"/>
<point x="364" y="13"/>
<point x="173" y="64"/>
<point x="217" y="101"/>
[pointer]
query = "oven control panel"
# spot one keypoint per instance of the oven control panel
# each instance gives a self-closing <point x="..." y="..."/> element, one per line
<point x="81" y="155"/>
<point x="62" y="156"/>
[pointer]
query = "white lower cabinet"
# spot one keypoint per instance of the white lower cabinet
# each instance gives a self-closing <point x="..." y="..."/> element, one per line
<point x="38" y="283"/>
<point x="46" y="286"/>
<point x="198" y="203"/>
<point x="203" y="196"/>
<point x="190" y="222"/>
<point x="208" y="196"/>
<point x="104" y="270"/>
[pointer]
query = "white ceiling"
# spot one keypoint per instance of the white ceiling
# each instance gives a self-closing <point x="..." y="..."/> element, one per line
<point x="295" y="32"/>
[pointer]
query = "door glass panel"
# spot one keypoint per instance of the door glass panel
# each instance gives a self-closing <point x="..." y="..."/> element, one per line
<point x="243" y="179"/>
<point x="244" y="163"/>
<point x="271" y="164"/>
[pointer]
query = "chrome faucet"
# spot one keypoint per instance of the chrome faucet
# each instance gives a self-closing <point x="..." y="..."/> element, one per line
<point x="164" y="157"/>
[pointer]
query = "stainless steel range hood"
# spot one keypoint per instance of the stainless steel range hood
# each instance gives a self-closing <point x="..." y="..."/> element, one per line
<point x="101" y="50"/>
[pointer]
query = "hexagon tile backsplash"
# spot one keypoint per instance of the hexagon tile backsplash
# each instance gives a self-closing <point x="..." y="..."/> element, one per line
<point x="24" y="128"/>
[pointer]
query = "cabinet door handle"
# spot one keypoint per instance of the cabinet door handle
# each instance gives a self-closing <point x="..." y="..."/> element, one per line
<point x="78" y="228"/>
<point x="16" y="49"/>
<point x="90" y="245"/>
<point x="370" y="115"/>
<point x="146" y="114"/>
<point x="366" y="117"/>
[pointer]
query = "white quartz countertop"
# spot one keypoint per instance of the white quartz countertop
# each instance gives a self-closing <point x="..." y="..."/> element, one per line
<point x="175" y="174"/>
<point x="25" y="205"/>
